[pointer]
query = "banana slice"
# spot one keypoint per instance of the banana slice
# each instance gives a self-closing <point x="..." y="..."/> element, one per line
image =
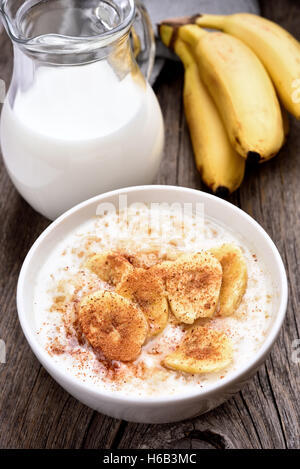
<point x="147" y="259"/>
<point x="202" y="350"/>
<point x="109" y="266"/>
<point x="143" y="259"/>
<point x="113" y="324"/>
<point x="147" y="290"/>
<point x="193" y="285"/>
<point x="234" y="281"/>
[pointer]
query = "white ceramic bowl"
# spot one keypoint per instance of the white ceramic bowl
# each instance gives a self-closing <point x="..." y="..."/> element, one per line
<point x="153" y="409"/>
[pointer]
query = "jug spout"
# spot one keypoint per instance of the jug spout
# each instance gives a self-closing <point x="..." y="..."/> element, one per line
<point x="63" y="29"/>
<point x="69" y="32"/>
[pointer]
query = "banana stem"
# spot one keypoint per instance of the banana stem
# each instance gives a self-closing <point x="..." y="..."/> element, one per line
<point x="184" y="28"/>
<point x="211" y="21"/>
<point x="180" y="21"/>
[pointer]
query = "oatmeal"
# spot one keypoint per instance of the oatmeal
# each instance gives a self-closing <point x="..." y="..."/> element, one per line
<point x="153" y="309"/>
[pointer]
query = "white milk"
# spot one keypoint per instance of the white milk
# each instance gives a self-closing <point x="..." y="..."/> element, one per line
<point x="78" y="131"/>
<point x="64" y="272"/>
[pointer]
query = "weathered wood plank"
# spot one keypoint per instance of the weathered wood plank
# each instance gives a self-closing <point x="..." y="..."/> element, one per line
<point x="172" y="109"/>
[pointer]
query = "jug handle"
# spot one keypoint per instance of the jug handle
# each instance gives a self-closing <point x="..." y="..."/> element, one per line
<point x="142" y="40"/>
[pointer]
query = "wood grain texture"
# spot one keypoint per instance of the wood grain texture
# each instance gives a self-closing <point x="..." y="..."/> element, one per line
<point x="36" y="413"/>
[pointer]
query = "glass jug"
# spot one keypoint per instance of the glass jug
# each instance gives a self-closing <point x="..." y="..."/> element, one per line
<point x="79" y="117"/>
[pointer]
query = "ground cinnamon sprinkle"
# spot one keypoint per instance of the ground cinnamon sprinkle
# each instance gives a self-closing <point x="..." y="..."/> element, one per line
<point x="56" y="348"/>
<point x="59" y="304"/>
<point x="80" y="335"/>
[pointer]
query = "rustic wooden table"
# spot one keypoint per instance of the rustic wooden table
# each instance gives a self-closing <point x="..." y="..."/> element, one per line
<point x="37" y="413"/>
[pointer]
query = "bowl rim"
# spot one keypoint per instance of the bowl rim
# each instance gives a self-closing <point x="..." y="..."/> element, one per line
<point x="120" y="396"/>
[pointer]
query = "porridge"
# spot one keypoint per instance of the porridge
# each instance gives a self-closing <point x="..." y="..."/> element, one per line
<point x="131" y="307"/>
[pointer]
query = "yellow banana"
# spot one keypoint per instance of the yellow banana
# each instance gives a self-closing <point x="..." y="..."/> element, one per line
<point x="278" y="50"/>
<point x="241" y="89"/>
<point x="220" y="166"/>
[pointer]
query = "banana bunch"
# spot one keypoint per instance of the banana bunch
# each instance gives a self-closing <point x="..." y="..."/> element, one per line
<point x="232" y="83"/>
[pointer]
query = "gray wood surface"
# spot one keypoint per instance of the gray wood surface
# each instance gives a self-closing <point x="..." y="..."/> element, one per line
<point x="36" y="413"/>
